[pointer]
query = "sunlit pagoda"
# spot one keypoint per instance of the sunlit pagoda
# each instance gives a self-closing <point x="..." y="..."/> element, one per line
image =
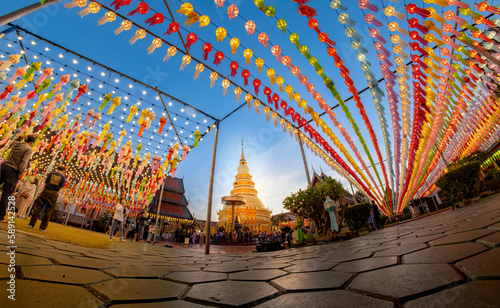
<point x="253" y="214"/>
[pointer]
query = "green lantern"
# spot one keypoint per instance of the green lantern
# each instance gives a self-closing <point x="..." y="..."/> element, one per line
<point x="294" y="38"/>
<point x="281" y="23"/>
<point x="259" y="4"/>
<point x="270" y="11"/>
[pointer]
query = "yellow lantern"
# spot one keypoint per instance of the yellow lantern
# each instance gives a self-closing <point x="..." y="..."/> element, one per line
<point x="139" y="35"/>
<point x="157" y="42"/>
<point x="110" y="16"/>
<point x="271" y="74"/>
<point x="213" y="78"/>
<point x="248" y="54"/>
<point x="185" y="9"/>
<point x="204" y="21"/>
<point x="289" y="91"/>
<point x="248" y="99"/>
<point x="124" y="26"/>
<point x="171" y="51"/>
<point x="220" y="33"/>
<point x="234" y="42"/>
<point x="225" y="85"/>
<point x="237" y="92"/>
<point x="93" y="8"/>
<point x="185" y="61"/>
<point x="280" y="81"/>
<point x="259" y="62"/>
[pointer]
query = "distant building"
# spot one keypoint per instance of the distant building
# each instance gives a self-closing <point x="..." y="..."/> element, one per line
<point x="318" y="179"/>
<point x="174" y="205"/>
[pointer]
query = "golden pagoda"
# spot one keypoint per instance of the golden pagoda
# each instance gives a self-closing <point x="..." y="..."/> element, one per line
<point x="253" y="214"/>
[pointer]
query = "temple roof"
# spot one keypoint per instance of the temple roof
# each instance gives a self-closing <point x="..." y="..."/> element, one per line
<point x="174" y="203"/>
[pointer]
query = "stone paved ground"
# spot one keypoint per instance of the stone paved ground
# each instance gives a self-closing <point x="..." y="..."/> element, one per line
<point x="446" y="260"/>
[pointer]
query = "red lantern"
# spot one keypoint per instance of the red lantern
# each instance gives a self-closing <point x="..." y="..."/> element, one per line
<point x="313" y="24"/>
<point x="413" y="23"/>
<point x="207" y="48"/>
<point x="245" y="74"/>
<point x="306" y="10"/>
<point x="219" y="56"/>
<point x="172" y="28"/>
<point x="296" y="117"/>
<point x="267" y="92"/>
<point x="119" y="3"/>
<point x="190" y="40"/>
<point x="142" y="8"/>
<point x="234" y="67"/>
<point x="413" y="9"/>
<point x="256" y="85"/>
<point x="323" y="37"/>
<point x="157" y="18"/>
<point x="284" y="105"/>
<point x="276" y="99"/>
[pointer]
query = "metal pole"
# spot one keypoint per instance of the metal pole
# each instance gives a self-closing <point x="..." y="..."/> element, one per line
<point x="158" y="211"/>
<point x="210" y="192"/>
<point x="305" y="162"/>
<point x="353" y="195"/>
<point x="25" y="11"/>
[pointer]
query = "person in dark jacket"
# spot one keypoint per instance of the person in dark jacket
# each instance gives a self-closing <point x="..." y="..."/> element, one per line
<point x="13" y="168"/>
<point x="376" y="216"/>
<point x="54" y="182"/>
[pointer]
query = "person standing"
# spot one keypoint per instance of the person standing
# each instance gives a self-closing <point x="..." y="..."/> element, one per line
<point x="141" y="223"/>
<point x="12" y="170"/>
<point x="120" y="212"/>
<point x="201" y="238"/>
<point x="26" y="196"/>
<point x="376" y="216"/>
<point x="48" y="198"/>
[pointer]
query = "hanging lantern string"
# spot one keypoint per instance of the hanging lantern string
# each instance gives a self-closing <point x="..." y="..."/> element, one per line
<point x="102" y="94"/>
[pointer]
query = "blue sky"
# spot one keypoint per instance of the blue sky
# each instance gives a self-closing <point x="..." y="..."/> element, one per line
<point x="273" y="156"/>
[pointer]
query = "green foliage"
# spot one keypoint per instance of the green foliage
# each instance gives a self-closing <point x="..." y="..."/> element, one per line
<point x="309" y="202"/>
<point x="361" y="197"/>
<point x="474" y="157"/>
<point x="357" y="215"/>
<point x="460" y="183"/>
<point x="491" y="180"/>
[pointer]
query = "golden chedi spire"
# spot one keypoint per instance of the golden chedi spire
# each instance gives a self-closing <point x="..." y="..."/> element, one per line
<point x="253" y="214"/>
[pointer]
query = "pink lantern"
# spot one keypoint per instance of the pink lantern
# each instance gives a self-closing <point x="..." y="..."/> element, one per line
<point x="276" y="51"/>
<point x="263" y="39"/>
<point x="219" y="3"/>
<point x="250" y="27"/>
<point x="232" y="11"/>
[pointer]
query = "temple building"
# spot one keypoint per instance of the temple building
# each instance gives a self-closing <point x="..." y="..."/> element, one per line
<point x="174" y="205"/>
<point x="253" y="214"/>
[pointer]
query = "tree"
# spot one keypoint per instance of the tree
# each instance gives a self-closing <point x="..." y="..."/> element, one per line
<point x="309" y="202"/>
<point x="361" y="197"/>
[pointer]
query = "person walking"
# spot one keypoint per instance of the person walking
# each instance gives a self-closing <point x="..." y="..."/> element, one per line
<point x="120" y="212"/>
<point x="376" y="216"/>
<point x="12" y="170"/>
<point x="48" y="198"/>
<point x="27" y="193"/>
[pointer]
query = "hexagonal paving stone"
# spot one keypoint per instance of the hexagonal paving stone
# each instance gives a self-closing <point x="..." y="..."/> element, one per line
<point x="309" y="265"/>
<point x="270" y="266"/>
<point x="64" y="274"/>
<point x="312" y="281"/>
<point x="258" y="275"/>
<point x="326" y="299"/>
<point x="364" y="265"/>
<point x="400" y="250"/>
<point x="443" y="254"/>
<point x="492" y="240"/>
<point x="24" y="260"/>
<point x="31" y="293"/>
<point x="196" y="277"/>
<point x="495" y="226"/>
<point x="342" y="256"/>
<point x="139" y="272"/>
<point x="233" y="293"/>
<point x="405" y="280"/>
<point x="461" y="237"/>
<point x="139" y="289"/>
<point x="169" y="304"/>
<point x="482" y="266"/>
<point x="4" y="272"/>
<point x="226" y="268"/>
<point x="471" y="294"/>
<point x="87" y="263"/>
